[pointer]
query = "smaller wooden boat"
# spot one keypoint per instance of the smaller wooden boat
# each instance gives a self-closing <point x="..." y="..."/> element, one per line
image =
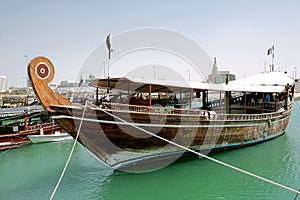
<point x="17" y="123"/>
<point x="57" y="136"/>
<point x="8" y="145"/>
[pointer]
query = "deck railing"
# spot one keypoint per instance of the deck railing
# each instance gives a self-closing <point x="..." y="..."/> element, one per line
<point x="19" y="111"/>
<point x="39" y="126"/>
<point x="209" y="115"/>
<point x="11" y="114"/>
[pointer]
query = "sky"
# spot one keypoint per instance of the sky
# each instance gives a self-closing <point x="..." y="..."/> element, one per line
<point x="237" y="32"/>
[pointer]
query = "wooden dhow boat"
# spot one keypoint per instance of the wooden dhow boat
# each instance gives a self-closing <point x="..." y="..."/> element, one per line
<point x="121" y="129"/>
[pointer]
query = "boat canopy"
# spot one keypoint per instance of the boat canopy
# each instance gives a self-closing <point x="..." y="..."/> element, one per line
<point x="143" y="85"/>
<point x="263" y="82"/>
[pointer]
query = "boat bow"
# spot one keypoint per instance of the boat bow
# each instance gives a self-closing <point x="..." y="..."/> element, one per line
<point x="41" y="72"/>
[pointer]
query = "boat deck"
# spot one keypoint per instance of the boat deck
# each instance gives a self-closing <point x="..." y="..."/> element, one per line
<point x="209" y="115"/>
<point x="19" y="111"/>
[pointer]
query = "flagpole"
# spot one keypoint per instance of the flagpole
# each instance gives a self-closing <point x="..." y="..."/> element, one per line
<point x="269" y="52"/>
<point x="273" y="58"/>
<point x="108" y="44"/>
<point x="108" y="83"/>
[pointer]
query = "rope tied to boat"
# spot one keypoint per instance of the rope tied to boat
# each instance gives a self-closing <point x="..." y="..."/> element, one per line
<point x="6" y="151"/>
<point x="204" y="156"/>
<point x="70" y="155"/>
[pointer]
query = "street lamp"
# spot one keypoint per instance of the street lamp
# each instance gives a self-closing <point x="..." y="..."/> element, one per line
<point x="27" y="84"/>
<point x="26" y="59"/>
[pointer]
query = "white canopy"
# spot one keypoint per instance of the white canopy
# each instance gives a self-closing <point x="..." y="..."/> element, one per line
<point x="264" y="82"/>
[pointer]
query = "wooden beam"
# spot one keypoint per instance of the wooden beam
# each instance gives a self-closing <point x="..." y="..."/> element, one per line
<point x="191" y="93"/>
<point x="245" y="102"/>
<point x="150" y="97"/>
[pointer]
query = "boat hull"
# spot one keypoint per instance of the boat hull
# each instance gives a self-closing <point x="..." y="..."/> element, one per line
<point x="49" y="138"/>
<point x="123" y="140"/>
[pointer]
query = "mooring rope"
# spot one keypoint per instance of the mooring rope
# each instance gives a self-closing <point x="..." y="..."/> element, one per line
<point x="6" y="151"/>
<point x="297" y="195"/>
<point x="205" y="156"/>
<point x="70" y="155"/>
<point x="20" y="142"/>
<point x="296" y="102"/>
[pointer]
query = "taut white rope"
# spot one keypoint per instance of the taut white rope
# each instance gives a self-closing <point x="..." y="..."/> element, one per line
<point x="207" y="157"/>
<point x="71" y="153"/>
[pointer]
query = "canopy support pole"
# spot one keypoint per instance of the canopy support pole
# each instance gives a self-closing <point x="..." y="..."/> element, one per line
<point x="150" y="97"/>
<point x="245" y="102"/>
<point x="227" y="102"/>
<point x="263" y="102"/>
<point x="220" y="102"/>
<point x="97" y="98"/>
<point x="191" y="93"/>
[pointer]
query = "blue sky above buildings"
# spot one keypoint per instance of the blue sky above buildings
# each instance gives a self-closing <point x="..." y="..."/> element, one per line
<point x="238" y="33"/>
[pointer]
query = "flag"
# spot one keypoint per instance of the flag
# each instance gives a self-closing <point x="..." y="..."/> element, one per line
<point x="108" y="44"/>
<point x="270" y="50"/>
<point x="81" y="81"/>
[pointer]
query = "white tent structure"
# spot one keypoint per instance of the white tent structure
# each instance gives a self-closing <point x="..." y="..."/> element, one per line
<point x="264" y="82"/>
<point x="3" y="84"/>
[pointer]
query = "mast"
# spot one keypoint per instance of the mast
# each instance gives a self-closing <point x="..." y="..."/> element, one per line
<point x="108" y="44"/>
<point x="269" y="52"/>
<point x="273" y="59"/>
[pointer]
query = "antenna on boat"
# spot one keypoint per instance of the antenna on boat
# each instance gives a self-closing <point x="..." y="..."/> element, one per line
<point x="108" y="44"/>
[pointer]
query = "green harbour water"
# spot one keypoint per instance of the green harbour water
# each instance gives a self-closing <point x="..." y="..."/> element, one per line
<point x="32" y="171"/>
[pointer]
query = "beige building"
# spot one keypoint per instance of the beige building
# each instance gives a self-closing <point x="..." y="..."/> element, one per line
<point x="3" y="84"/>
<point x="217" y="76"/>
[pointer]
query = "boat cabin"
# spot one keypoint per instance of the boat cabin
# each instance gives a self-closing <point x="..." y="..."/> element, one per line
<point x="262" y="93"/>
